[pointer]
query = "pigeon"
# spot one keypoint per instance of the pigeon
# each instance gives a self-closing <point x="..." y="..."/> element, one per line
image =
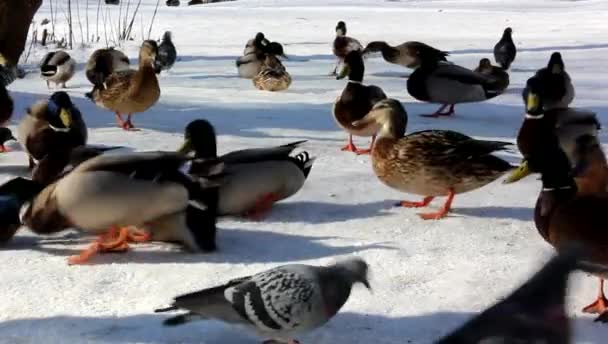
<point x="279" y="303"/>
<point x="534" y="313"/>
<point x="504" y="50"/>
<point x="166" y="52"/>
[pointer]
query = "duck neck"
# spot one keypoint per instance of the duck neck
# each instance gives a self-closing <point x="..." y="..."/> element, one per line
<point x="356" y="72"/>
<point x="394" y="127"/>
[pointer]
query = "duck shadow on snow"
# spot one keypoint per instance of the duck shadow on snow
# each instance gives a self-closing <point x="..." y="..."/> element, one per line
<point x="148" y="328"/>
<point x="234" y="246"/>
<point x="315" y="212"/>
<point x="497" y="212"/>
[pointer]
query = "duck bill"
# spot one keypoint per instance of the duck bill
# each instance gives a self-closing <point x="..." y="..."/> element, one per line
<point x="186" y="147"/>
<point x="343" y="73"/>
<point x="66" y="118"/>
<point x="518" y="174"/>
<point x="532" y="102"/>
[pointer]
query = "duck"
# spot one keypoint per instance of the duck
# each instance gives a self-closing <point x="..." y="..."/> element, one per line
<point x="449" y="84"/>
<point x="272" y="76"/>
<point x="256" y="44"/>
<point x="564" y="214"/>
<point x="131" y="197"/>
<point x="5" y="135"/>
<point x="343" y="45"/>
<point x="556" y="84"/>
<point x="131" y="91"/>
<point x="405" y="54"/>
<point x="568" y="124"/>
<point x="6" y="105"/>
<point x="255" y="178"/>
<point x="104" y="62"/>
<point x="250" y="64"/>
<point x="48" y="133"/>
<point x="498" y="73"/>
<point x="356" y="101"/>
<point x="431" y="163"/>
<point x="57" y="67"/>
<point x="505" y="50"/>
<point x="167" y="55"/>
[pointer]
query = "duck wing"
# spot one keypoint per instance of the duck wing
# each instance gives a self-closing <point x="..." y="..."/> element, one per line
<point x="247" y="156"/>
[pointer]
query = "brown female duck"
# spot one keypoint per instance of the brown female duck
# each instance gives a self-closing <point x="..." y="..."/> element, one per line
<point x="355" y="102"/>
<point x="430" y="163"/>
<point x="272" y="76"/>
<point x="131" y="91"/>
<point x="498" y="73"/>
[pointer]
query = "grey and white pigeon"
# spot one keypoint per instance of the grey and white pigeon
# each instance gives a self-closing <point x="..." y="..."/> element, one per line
<point x="279" y="303"/>
<point x="166" y="52"/>
<point x="505" y="50"/>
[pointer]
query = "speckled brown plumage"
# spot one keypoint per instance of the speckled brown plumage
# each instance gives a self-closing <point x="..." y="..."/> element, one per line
<point x="273" y="76"/>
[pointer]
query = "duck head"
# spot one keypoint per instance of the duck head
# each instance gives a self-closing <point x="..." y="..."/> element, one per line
<point x="388" y="116"/>
<point x="148" y="53"/>
<point x="199" y="137"/>
<point x="341" y="28"/>
<point x="276" y="48"/>
<point x="13" y="195"/>
<point x="507" y="33"/>
<point x="353" y="67"/>
<point x="59" y="111"/>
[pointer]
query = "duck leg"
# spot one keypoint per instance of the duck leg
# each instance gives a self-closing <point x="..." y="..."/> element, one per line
<point x="350" y="147"/>
<point x="440" y="113"/>
<point x="263" y="206"/>
<point x="600" y="306"/>
<point x="4" y="149"/>
<point x="407" y="204"/>
<point x="369" y="150"/>
<point x="115" y="240"/>
<point x="129" y="125"/>
<point x="119" y="120"/>
<point x="443" y="212"/>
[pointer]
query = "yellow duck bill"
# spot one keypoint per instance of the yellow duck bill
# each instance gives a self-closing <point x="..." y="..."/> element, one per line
<point x="518" y="174"/>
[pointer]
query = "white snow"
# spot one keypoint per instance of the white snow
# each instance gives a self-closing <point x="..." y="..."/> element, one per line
<point x="429" y="276"/>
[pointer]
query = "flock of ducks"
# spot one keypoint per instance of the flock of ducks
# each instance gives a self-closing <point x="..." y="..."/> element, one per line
<point x="177" y="196"/>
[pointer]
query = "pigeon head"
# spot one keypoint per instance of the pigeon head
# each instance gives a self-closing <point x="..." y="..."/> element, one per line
<point x="355" y="270"/>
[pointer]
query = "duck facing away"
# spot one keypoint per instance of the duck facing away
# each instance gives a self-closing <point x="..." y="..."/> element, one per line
<point x="405" y="54"/>
<point x="167" y="54"/>
<point x="431" y="163"/>
<point x="104" y="62"/>
<point x="563" y="214"/>
<point x="280" y="303"/>
<point x="57" y="67"/>
<point x="355" y="102"/>
<point x="131" y="91"/>
<point x="343" y="45"/>
<point x="48" y="133"/>
<point x="255" y="178"/>
<point x="449" y="84"/>
<point x="110" y="194"/>
<point x="272" y="76"/>
<point x="504" y="50"/>
<point x="498" y="73"/>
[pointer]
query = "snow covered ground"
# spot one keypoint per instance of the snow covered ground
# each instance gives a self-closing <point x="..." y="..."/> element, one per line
<point x="428" y="276"/>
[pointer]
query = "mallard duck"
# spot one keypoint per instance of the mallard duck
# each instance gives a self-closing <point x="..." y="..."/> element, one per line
<point x="255" y="178"/>
<point x="49" y="131"/>
<point x="58" y="67"/>
<point x="504" y="50"/>
<point x="343" y="45"/>
<point x="13" y="195"/>
<point x="405" y="54"/>
<point x="498" y="73"/>
<point x="131" y="91"/>
<point x="6" y="105"/>
<point x="5" y="135"/>
<point x="256" y="44"/>
<point x="104" y="62"/>
<point x="449" y="84"/>
<point x="166" y="52"/>
<point x="555" y="85"/>
<point x="356" y="101"/>
<point x="111" y="193"/>
<point x="563" y="215"/>
<point x="430" y="163"/>
<point x="250" y="64"/>
<point x="568" y="124"/>
<point x="273" y="76"/>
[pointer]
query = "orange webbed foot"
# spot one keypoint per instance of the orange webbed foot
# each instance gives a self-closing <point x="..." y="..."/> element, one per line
<point x="600" y="306"/>
<point x="85" y="255"/>
<point x="350" y="147"/>
<point x="407" y="204"/>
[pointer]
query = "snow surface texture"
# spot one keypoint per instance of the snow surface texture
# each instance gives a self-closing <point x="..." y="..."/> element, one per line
<point x="429" y="276"/>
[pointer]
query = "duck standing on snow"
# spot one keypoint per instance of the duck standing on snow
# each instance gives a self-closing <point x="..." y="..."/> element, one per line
<point x="58" y="67"/>
<point x="405" y="54"/>
<point x="48" y="133"/>
<point x="250" y="64"/>
<point x="504" y="50"/>
<point x="281" y="303"/>
<point x="131" y="91"/>
<point x="273" y="76"/>
<point x="355" y="102"/>
<point x="430" y="163"/>
<point x="125" y="197"/>
<point x="498" y="73"/>
<point x="343" y="45"/>
<point x="557" y="88"/>
<point x="104" y="62"/>
<point x="449" y="84"/>
<point x="255" y="178"/>
<point x="166" y="52"/>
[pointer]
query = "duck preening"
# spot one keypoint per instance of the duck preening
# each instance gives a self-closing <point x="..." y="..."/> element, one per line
<point x="343" y="45"/>
<point x="449" y="84"/>
<point x="355" y="102"/>
<point x="57" y="67"/>
<point x="406" y="54"/>
<point x="104" y="62"/>
<point x="130" y="91"/>
<point x="504" y="50"/>
<point x="255" y="178"/>
<point x="430" y="163"/>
